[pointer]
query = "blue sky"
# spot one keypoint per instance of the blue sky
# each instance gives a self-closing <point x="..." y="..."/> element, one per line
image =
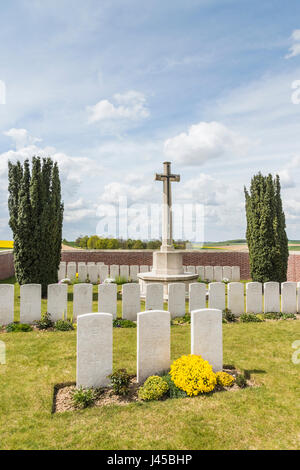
<point x="111" y="89"/>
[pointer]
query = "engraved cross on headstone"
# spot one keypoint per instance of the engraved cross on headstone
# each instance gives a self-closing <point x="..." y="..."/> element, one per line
<point x="167" y="178"/>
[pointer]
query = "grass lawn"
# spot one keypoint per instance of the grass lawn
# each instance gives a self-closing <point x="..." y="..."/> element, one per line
<point x="262" y="417"/>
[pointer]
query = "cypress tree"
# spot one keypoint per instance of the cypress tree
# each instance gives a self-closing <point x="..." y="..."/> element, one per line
<point x="266" y="236"/>
<point x="25" y="252"/>
<point x="36" y="216"/>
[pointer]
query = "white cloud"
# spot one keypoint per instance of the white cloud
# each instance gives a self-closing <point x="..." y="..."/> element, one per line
<point x="295" y="48"/>
<point x="21" y="137"/>
<point x="286" y="179"/>
<point x="203" y="142"/>
<point x="134" y="193"/>
<point x="130" y="105"/>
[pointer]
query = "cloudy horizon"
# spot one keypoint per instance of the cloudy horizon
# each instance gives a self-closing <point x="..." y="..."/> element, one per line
<point x="112" y="89"/>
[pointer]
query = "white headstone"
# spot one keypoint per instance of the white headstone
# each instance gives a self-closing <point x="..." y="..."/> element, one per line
<point x="114" y="271"/>
<point x="236" y="274"/>
<point x="144" y="268"/>
<point x="94" y="350"/>
<point x="82" y="299"/>
<point x="93" y="273"/>
<point x="197" y="296"/>
<point x="176" y="299"/>
<point x="271" y="297"/>
<point x="57" y="305"/>
<point x="6" y="303"/>
<point x="216" y="297"/>
<point x="227" y="273"/>
<point x="154" y="296"/>
<point x="30" y="303"/>
<point x="153" y="343"/>
<point x="133" y="272"/>
<point x="107" y="298"/>
<point x="200" y="272"/>
<point x="206" y="336"/>
<point x="236" y="301"/>
<point x="62" y="270"/>
<point x="289" y="297"/>
<point x="131" y="301"/>
<point x="71" y="270"/>
<point x="103" y="272"/>
<point x="254" y="297"/>
<point x="218" y="273"/>
<point x="124" y="271"/>
<point x="191" y="269"/>
<point x="82" y="272"/>
<point x="209" y="273"/>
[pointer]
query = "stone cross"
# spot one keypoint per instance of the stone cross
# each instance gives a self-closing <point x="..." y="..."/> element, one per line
<point x="167" y="178"/>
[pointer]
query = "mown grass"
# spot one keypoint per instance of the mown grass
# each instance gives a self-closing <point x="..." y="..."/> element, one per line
<point x="262" y="417"/>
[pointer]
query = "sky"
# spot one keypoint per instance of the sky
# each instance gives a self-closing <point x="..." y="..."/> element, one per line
<point x="110" y="89"/>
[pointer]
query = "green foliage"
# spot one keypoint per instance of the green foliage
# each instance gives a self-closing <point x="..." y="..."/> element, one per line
<point x="279" y="316"/>
<point x="63" y="325"/>
<point x="154" y="388"/>
<point x="241" y="381"/>
<point x="17" y="327"/>
<point x="82" y="398"/>
<point x="266" y="235"/>
<point x="120" y="382"/>
<point x="181" y="320"/>
<point x="119" y="280"/>
<point x="36" y="215"/>
<point x="45" y="323"/>
<point x="228" y="316"/>
<point x="249" y="318"/>
<point x="173" y="392"/>
<point x="122" y="323"/>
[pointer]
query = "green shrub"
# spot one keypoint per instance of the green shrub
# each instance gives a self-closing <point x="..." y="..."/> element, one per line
<point x="228" y="316"/>
<point x="173" y="392"/>
<point x="119" y="280"/>
<point x="82" y="398"/>
<point x="63" y="325"/>
<point x="120" y="382"/>
<point x="241" y="381"/>
<point x="154" y="388"/>
<point x="16" y="327"/>
<point x="249" y="318"/>
<point x="181" y="320"/>
<point x="120" y="323"/>
<point x="45" y="322"/>
<point x="279" y="316"/>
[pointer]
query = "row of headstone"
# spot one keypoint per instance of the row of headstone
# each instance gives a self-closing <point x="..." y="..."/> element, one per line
<point x="216" y="273"/>
<point x="30" y="299"/>
<point x="99" y="271"/>
<point x="95" y="344"/>
<point x="102" y="271"/>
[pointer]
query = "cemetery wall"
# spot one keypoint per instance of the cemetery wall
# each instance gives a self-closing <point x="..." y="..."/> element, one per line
<point x="144" y="257"/>
<point x="6" y="264"/>
<point x="190" y="258"/>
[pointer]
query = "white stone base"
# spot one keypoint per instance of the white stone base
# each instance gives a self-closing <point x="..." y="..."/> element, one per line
<point x="166" y="279"/>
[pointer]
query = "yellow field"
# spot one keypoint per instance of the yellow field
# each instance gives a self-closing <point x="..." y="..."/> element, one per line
<point x="6" y="244"/>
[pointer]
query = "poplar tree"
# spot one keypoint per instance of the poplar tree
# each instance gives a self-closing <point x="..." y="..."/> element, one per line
<point x="36" y="217"/>
<point x="266" y="235"/>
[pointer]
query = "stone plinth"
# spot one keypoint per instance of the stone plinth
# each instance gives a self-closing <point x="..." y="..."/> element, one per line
<point x="167" y="269"/>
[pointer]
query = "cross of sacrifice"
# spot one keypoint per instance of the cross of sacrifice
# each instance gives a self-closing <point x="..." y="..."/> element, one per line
<point x="167" y="178"/>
